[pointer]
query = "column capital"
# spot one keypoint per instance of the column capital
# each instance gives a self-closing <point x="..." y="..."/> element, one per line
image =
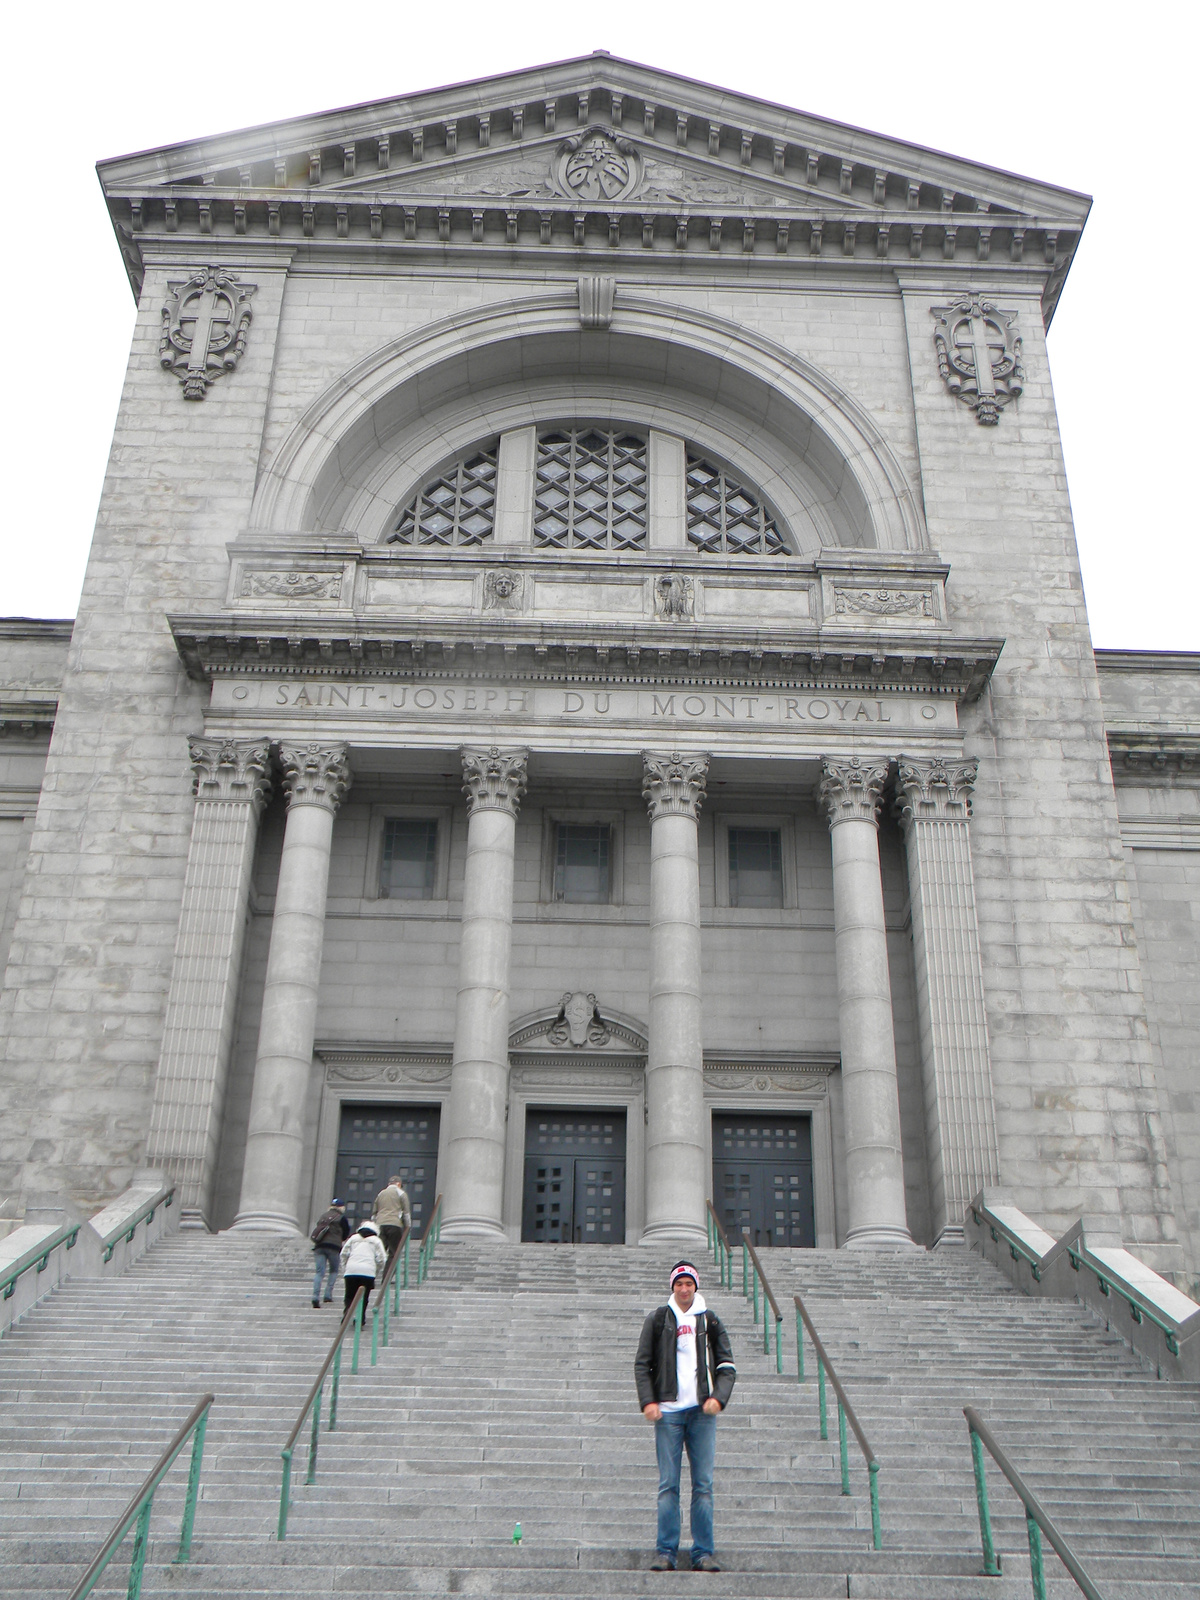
<point x="231" y="770"/>
<point x="673" y="785"/>
<point x="494" y="779"/>
<point x="850" y="791"/>
<point x="315" y="775"/>
<point x="934" y="790"/>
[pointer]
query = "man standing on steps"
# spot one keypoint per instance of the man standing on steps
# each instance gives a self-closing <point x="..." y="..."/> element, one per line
<point x="685" y="1375"/>
<point x="392" y="1214"/>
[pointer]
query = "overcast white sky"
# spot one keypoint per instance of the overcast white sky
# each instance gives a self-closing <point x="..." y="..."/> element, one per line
<point x="1090" y="96"/>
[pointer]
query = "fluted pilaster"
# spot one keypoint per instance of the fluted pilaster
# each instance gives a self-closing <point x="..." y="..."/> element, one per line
<point x="231" y="783"/>
<point x="934" y="805"/>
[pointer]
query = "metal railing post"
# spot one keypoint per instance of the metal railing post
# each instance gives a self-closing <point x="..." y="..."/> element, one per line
<point x="193" y="1491"/>
<point x="285" y="1495"/>
<point x="333" y="1388"/>
<point x="754" y="1290"/>
<point x="141" y="1536"/>
<point x="876" y="1526"/>
<point x="800" y="1378"/>
<point x="745" y="1271"/>
<point x="1037" y="1570"/>
<point x="358" y="1316"/>
<point x="779" y="1345"/>
<point x="991" y="1564"/>
<point x="314" y="1437"/>
<point x="842" y="1451"/>
<point x="821" y="1399"/>
<point x="375" y="1332"/>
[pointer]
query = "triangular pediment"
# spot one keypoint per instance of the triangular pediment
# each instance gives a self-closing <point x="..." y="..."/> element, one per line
<point x="693" y="144"/>
<point x="595" y="167"/>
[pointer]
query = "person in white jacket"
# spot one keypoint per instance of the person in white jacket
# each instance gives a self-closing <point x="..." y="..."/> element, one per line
<point x="363" y="1259"/>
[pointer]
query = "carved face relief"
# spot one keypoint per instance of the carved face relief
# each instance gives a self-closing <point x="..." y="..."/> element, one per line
<point x="597" y="166"/>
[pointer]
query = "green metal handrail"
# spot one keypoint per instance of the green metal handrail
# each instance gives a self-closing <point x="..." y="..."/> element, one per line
<point x="387" y="1295"/>
<point x="40" y="1262"/>
<point x="351" y="1322"/>
<point x="845" y="1415"/>
<point x="128" y="1228"/>
<point x="139" y="1508"/>
<point x="429" y="1239"/>
<point x="1020" y="1251"/>
<point x="1037" y="1521"/>
<point x="722" y="1250"/>
<point x="752" y="1270"/>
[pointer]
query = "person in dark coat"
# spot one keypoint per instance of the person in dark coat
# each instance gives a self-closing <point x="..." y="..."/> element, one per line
<point x="330" y="1234"/>
<point x="685" y="1376"/>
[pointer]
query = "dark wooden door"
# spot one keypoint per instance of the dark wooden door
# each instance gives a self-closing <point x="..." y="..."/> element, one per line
<point x="574" y="1177"/>
<point x="762" y="1178"/>
<point x="377" y="1141"/>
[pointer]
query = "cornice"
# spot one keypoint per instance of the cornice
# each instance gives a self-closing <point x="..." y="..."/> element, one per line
<point x="1136" y="755"/>
<point x="37" y="628"/>
<point x="27" y="716"/>
<point x="511" y="650"/>
<point x="1148" y="660"/>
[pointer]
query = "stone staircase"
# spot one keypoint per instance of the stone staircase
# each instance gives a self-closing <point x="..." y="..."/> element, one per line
<point x="506" y="1396"/>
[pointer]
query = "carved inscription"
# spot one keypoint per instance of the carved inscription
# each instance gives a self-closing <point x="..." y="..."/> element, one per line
<point x="441" y="700"/>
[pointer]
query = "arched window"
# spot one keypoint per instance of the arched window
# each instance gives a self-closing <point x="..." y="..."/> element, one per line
<point x="590" y="492"/>
<point x="726" y="518"/>
<point x="457" y="508"/>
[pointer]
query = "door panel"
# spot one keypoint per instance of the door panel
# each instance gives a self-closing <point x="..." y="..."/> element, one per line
<point x="574" y="1177"/>
<point x="379" y="1140"/>
<point x="762" y="1178"/>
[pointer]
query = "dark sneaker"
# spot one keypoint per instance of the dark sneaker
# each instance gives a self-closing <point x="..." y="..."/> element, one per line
<point x="316" y="1303"/>
<point x="705" y="1564"/>
<point x="662" y="1563"/>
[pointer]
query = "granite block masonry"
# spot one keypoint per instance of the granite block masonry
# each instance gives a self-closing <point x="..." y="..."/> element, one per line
<point x="673" y="548"/>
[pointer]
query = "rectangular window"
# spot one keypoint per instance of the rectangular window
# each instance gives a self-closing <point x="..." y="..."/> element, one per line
<point x="582" y="862"/>
<point x="755" y="867"/>
<point x="409" y="864"/>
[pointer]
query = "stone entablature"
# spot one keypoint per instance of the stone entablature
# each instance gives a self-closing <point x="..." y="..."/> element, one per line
<point x="869" y="590"/>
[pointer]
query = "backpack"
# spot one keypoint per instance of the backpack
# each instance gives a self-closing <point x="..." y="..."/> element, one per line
<point x="327" y="1230"/>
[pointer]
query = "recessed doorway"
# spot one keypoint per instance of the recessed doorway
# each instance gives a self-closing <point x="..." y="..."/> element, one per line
<point x="377" y="1141"/>
<point x="763" y="1178"/>
<point x="574" y="1176"/>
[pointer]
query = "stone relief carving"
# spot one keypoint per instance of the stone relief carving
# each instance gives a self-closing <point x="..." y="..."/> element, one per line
<point x="315" y="775"/>
<point x="850" y="791"/>
<point x="674" y="598"/>
<point x="884" y="602"/>
<point x="503" y="591"/>
<point x="205" y="323"/>
<point x="549" y="1078"/>
<point x="673" y="785"/>
<point x="596" y="299"/>
<point x="764" y="1082"/>
<point x="385" y="1072"/>
<point x="935" y="790"/>
<point x="579" y="1022"/>
<point x="231" y="770"/>
<point x="494" y="779"/>
<point x="292" y="585"/>
<point x="979" y="355"/>
<point x="597" y="166"/>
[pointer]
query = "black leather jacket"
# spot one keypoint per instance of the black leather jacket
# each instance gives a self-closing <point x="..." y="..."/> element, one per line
<point x="655" y="1367"/>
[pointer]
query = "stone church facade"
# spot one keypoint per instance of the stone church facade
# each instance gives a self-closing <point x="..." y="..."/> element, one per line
<point x="583" y="695"/>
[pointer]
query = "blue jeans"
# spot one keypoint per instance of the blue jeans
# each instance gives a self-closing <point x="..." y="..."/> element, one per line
<point x="326" y="1258"/>
<point x="698" y="1432"/>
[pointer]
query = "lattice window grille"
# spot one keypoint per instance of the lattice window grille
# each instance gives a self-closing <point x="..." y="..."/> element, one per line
<point x="591" y="490"/>
<point x="458" y="508"/>
<point x="726" y="518"/>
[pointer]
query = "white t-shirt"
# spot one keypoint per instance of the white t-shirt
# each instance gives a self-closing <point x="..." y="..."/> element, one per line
<point x="685" y="1355"/>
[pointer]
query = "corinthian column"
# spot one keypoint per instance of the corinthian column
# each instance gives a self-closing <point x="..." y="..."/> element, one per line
<point x="935" y="810"/>
<point x="472" y="1180"/>
<point x="676" y="1138"/>
<point x="231" y="785"/>
<point x="849" y="793"/>
<point x="316" y="778"/>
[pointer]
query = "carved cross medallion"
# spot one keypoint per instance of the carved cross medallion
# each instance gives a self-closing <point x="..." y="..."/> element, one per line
<point x="979" y="355"/>
<point x="205" y="324"/>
